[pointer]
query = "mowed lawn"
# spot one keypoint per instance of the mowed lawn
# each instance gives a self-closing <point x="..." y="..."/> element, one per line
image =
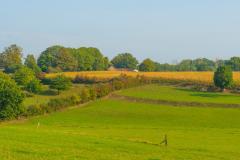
<point x="122" y="130"/>
<point x="171" y="93"/>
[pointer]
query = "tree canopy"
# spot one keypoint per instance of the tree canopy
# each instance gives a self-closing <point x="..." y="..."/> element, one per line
<point x="147" y="65"/>
<point x="31" y="63"/>
<point x="58" y="58"/>
<point x="10" y="57"/>
<point x="125" y="60"/>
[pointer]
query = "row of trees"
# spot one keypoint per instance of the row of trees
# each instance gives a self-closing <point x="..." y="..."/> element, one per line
<point x="200" y="64"/>
<point x="59" y="59"/>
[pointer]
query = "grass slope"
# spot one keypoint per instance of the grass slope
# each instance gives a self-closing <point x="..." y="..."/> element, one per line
<point x="47" y="94"/>
<point x="170" y="93"/>
<point x="121" y="130"/>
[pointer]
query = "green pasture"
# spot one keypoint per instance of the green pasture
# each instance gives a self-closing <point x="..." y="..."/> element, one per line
<point x="171" y="93"/>
<point x="112" y="129"/>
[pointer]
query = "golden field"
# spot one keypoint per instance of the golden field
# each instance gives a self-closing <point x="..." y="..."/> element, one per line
<point x="206" y="77"/>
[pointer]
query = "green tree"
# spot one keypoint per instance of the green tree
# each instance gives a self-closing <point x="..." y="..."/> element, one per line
<point x="186" y="65"/>
<point x="60" y="83"/>
<point x="11" y="98"/>
<point x="125" y="60"/>
<point x="48" y="58"/>
<point x="11" y="56"/>
<point x="223" y="77"/>
<point x="65" y="60"/>
<point x="234" y="62"/>
<point x="34" y="86"/>
<point x="147" y="65"/>
<point x="203" y="64"/>
<point x="165" y="67"/>
<point x="89" y="59"/>
<point x="24" y="75"/>
<point x="31" y="63"/>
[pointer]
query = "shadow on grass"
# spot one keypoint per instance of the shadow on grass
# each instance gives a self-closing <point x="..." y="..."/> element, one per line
<point x="48" y="92"/>
<point x="205" y="94"/>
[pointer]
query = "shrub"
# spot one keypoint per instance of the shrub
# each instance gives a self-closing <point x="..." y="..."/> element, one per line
<point x="60" y="83"/>
<point x="103" y="90"/>
<point x="34" y="86"/>
<point x="223" y="77"/>
<point x="23" y="76"/>
<point x="11" y="98"/>
<point x="93" y="93"/>
<point x="117" y="84"/>
<point x="75" y="100"/>
<point x="34" y="110"/>
<point x="85" y="95"/>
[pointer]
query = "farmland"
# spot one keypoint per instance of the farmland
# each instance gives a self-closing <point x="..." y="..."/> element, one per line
<point x="171" y="93"/>
<point x="205" y="77"/>
<point x="119" y="129"/>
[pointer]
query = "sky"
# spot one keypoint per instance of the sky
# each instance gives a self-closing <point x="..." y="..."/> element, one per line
<point x="163" y="30"/>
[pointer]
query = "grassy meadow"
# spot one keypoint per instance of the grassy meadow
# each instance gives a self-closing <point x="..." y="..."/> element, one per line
<point x="172" y="93"/>
<point x="118" y="129"/>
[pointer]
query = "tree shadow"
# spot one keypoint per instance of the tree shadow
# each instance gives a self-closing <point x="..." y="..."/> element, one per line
<point x="207" y="95"/>
<point x="204" y="94"/>
<point x="49" y="92"/>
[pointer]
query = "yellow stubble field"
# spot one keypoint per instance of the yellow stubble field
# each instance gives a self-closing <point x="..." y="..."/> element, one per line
<point x="206" y="77"/>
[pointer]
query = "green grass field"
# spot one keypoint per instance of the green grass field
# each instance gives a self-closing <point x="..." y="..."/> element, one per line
<point x="121" y="130"/>
<point x="170" y="93"/>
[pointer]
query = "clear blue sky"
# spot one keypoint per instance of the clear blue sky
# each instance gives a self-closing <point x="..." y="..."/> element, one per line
<point x="164" y="30"/>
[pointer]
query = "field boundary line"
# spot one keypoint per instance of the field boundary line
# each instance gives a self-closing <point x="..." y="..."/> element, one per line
<point x="173" y="103"/>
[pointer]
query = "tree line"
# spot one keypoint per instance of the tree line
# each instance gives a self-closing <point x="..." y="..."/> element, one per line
<point x="60" y="59"/>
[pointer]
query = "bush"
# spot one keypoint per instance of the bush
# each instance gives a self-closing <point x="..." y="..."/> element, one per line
<point x="117" y="84"/>
<point x="85" y="95"/>
<point x="34" y="86"/>
<point x="93" y="93"/>
<point x="60" y="83"/>
<point x="34" y="110"/>
<point x="11" y="98"/>
<point x="223" y="77"/>
<point x="103" y="90"/>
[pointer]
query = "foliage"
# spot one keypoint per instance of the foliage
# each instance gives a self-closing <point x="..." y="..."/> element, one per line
<point x="59" y="58"/>
<point x="85" y="95"/>
<point x="60" y="83"/>
<point x="125" y="60"/>
<point x="203" y="64"/>
<point x="65" y="60"/>
<point x="11" y="98"/>
<point x="147" y="65"/>
<point x="31" y="63"/>
<point x="10" y="57"/>
<point x="23" y="76"/>
<point x="34" y="86"/>
<point x="48" y="58"/>
<point x="234" y="62"/>
<point x="223" y="77"/>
